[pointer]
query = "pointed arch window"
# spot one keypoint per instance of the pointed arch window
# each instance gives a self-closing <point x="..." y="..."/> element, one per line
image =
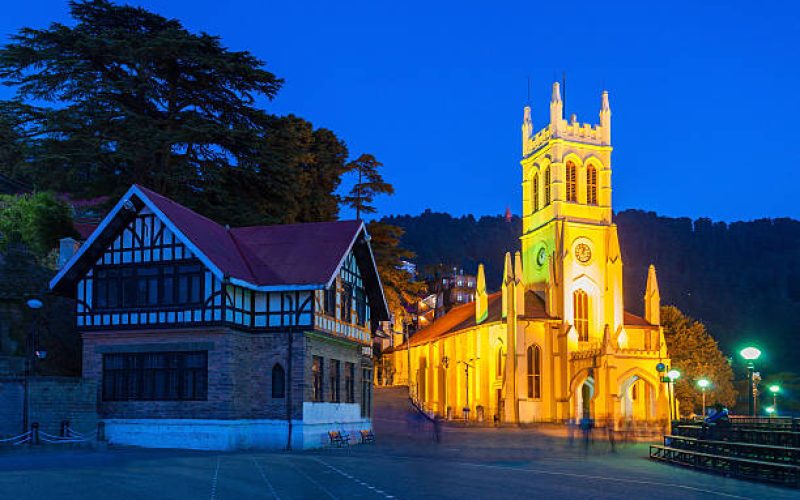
<point x="581" y="312"/>
<point x="278" y="381"/>
<point x="534" y="372"/>
<point x="591" y="185"/>
<point x="547" y="186"/>
<point x="572" y="182"/>
<point x="535" y="193"/>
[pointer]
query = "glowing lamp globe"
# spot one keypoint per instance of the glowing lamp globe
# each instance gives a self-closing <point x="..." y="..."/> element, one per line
<point x="750" y="353"/>
<point x="703" y="383"/>
<point x="673" y="375"/>
<point x="774" y="388"/>
<point x="770" y="409"/>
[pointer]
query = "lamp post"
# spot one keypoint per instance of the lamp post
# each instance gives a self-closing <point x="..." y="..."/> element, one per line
<point x="446" y="365"/>
<point x="751" y="354"/>
<point x="31" y="352"/>
<point x="703" y="384"/>
<point x="673" y="375"/>
<point x="467" y="366"/>
<point x="774" y="389"/>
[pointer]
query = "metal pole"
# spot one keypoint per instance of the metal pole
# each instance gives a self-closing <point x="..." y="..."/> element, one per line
<point x="289" y="390"/>
<point x="408" y="350"/>
<point x="704" y="402"/>
<point x="466" y="389"/>
<point x="750" y="398"/>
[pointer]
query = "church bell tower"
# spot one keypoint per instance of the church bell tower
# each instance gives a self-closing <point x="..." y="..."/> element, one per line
<point x="569" y="243"/>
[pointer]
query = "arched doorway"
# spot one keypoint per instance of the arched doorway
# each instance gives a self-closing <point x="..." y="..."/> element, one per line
<point x="637" y="399"/>
<point x="583" y="399"/>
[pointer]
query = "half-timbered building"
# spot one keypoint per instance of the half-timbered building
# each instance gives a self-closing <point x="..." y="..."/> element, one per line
<point x="204" y="336"/>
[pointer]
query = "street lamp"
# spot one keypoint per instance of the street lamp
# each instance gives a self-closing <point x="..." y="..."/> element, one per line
<point x="673" y="375"/>
<point x="770" y="410"/>
<point x="703" y="384"/>
<point x="467" y="366"/>
<point x="34" y="305"/>
<point x="774" y="389"/>
<point x="751" y="354"/>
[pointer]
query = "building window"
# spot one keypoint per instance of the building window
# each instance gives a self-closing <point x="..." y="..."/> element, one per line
<point x="349" y="382"/>
<point x="572" y="182"/>
<point x="346" y="303"/>
<point x="535" y="193"/>
<point x="155" y="376"/>
<point x="278" y="381"/>
<point x="547" y="186"/>
<point x="591" y="185"/>
<point x="534" y="372"/>
<point x="316" y="378"/>
<point x="147" y="287"/>
<point x="581" y="304"/>
<point x="329" y="304"/>
<point x="334" y="380"/>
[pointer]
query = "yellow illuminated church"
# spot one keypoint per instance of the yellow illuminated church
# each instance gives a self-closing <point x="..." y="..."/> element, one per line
<point x="555" y="343"/>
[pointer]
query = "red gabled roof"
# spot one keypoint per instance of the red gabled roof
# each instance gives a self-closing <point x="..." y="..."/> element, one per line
<point x="294" y="254"/>
<point x="209" y="237"/>
<point x="630" y="319"/>
<point x="297" y="254"/>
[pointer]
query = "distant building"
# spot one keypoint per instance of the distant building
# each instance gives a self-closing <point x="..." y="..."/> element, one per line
<point x="200" y="336"/>
<point x="452" y="289"/>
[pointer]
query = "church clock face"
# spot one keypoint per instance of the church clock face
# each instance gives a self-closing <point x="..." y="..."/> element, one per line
<point x="583" y="253"/>
<point x="541" y="257"/>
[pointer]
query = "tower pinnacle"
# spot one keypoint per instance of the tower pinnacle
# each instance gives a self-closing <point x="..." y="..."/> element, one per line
<point x="605" y="117"/>
<point x="556" y="106"/>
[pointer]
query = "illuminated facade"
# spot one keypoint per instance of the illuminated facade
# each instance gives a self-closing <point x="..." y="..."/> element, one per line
<point x="555" y="343"/>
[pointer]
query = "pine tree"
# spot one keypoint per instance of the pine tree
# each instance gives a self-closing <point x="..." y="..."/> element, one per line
<point x="696" y="355"/>
<point x="398" y="285"/>
<point x="369" y="184"/>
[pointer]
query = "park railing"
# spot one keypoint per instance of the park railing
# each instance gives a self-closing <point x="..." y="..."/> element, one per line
<point x="67" y="435"/>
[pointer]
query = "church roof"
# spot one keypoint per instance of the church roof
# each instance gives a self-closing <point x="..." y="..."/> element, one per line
<point x="631" y="319"/>
<point x="463" y="318"/>
<point x="459" y="318"/>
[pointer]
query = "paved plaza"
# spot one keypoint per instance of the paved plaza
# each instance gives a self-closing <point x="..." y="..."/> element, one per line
<point x="405" y="463"/>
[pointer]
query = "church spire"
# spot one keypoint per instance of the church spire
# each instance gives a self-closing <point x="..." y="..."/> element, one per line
<point x="481" y="299"/>
<point x="508" y="279"/>
<point x="652" y="299"/>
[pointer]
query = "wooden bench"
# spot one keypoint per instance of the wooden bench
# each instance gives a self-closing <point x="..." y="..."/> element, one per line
<point x="338" y="440"/>
<point x="367" y="437"/>
<point x="760" y="452"/>
<point x="741" y="435"/>
<point x="733" y="466"/>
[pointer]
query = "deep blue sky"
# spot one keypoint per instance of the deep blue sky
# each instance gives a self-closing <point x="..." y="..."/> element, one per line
<point x="706" y="113"/>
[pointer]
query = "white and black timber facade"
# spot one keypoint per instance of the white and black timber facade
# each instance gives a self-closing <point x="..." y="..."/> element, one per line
<point x="201" y="336"/>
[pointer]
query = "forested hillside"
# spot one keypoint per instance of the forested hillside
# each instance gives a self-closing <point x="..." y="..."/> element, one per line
<point x="741" y="279"/>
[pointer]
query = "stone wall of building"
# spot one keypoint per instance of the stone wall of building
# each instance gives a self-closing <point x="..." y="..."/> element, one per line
<point x="11" y="396"/>
<point x="239" y="372"/>
<point x="56" y="399"/>
<point x="52" y="401"/>
<point x="240" y="366"/>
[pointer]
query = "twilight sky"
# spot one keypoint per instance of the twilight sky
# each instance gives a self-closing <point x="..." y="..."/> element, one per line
<point x="705" y="98"/>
